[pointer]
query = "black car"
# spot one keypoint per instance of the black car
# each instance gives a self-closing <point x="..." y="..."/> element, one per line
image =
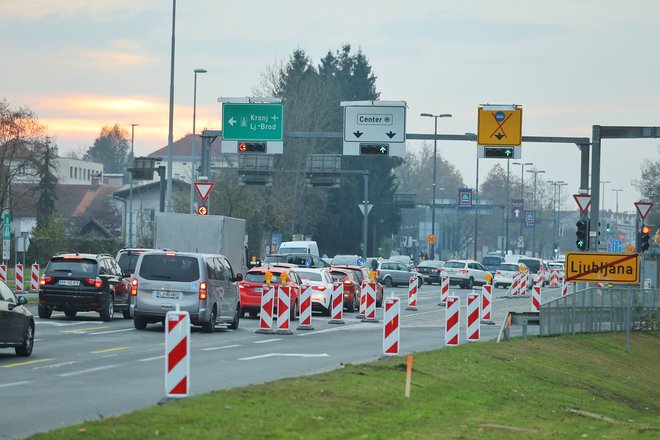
<point x="430" y="269"/>
<point x="16" y="322"/>
<point x="78" y="282"/>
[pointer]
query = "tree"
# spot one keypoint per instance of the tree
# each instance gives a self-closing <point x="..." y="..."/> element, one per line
<point x="649" y="186"/>
<point x="44" y="162"/>
<point x="111" y="148"/>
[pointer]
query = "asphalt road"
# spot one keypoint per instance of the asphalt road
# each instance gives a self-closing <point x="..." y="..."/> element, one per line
<point x="85" y="369"/>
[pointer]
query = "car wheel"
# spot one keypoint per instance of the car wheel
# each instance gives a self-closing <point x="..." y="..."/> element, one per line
<point x="109" y="312"/>
<point x="139" y="323"/>
<point x="237" y="316"/>
<point x="420" y="283"/>
<point x="470" y="283"/>
<point x="25" y="349"/>
<point x="253" y="314"/>
<point x="351" y="306"/>
<point x="44" y="312"/>
<point x="327" y="311"/>
<point x="295" y="311"/>
<point x="209" y="325"/>
<point x="388" y="281"/>
<point x="70" y="313"/>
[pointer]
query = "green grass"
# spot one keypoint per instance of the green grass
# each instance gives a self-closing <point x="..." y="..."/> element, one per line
<point x="542" y="388"/>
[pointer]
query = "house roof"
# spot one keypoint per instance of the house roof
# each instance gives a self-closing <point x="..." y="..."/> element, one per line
<point x="183" y="147"/>
<point x="72" y="200"/>
<point x="124" y="192"/>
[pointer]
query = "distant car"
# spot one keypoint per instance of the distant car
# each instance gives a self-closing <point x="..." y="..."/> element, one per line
<point x="393" y="273"/>
<point x="430" y="270"/>
<point x="491" y="262"/>
<point x="347" y="260"/>
<point x="351" y="285"/>
<point x="127" y="258"/>
<point x="16" y="322"/>
<point x="534" y="266"/>
<point x="322" y="285"/>
<point x="405" y="259"/>
<point x="254" y="283"/>
<point x="363" y="275"/>
<point x="465" y="273"/>
<point x="300" y="260"/>
<point x="76" y="282"/>
<point x="504" y="274"/>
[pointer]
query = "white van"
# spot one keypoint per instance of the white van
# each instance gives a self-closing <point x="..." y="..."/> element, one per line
<point x="299" y="247"/>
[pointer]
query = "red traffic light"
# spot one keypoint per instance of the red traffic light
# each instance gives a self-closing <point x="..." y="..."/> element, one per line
<point x="646" y="229"/>
<point x="202" y="210"/>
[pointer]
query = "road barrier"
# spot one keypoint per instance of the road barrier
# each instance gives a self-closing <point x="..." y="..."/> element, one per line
<point x="536" y="298"/>
<point x="19" y="277"/>
<point x="34" y="278"/>
<point x="266" y="312"/>
<point x="522" y="286"/>
<point x="412" y="293"/>
<point x="554" y="278"/>
<point x="3" y="273"/>
<point x="473" y="321"/>
<point x="337" y="302"/>
<point x="283" y="310"/>
<point x="177" y="354"/>
<point x="370" y="303"/>
<point x="452" y="318"/>
<point x="363" y="301"/>
<point x="305" y="309"/>
<point x="391" y="314"/>
<point x="444" y="290"/>
<point x="487" y="304"/>
<point x="564" y="287"/>
<point x="539" y="278"/>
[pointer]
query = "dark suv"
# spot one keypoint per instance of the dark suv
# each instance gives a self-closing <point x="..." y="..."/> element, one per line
<point x="84" y="282"/>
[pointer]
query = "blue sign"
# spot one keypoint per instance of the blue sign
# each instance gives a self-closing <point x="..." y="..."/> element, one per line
<point x="614" y="246"/>
<point x="360" y="261"/>
<point x="308" y="262"/>
<point x="530" y="218"/>
<point x="464" y="198"/>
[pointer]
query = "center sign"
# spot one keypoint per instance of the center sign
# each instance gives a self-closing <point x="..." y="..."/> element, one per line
<point x="374" y="127"/>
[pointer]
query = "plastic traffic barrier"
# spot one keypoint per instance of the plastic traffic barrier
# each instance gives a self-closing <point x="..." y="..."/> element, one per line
<point x="19" y="277"/>
<point x="266" y="312"/>
<point x="177" y="354"/>
<point x="337" y="303"/>
<point x="34" y="278"/>
<point x="473" y="322"/>
<point x="564" y="287"/>
<point x="522" y="286"/>
<point x="305" y="309"/>
<point x="536" y="298"/>
<point x="444" y="290"/>
<point x="391" y="315"/>
<point x="363" y="301"/>
<point x="412" y="293"/>
<point x="452" y="317"/>
<point x="283" y="310"/>
<point x="370" y="303"/>
<point x="486" y="304"/>
<point x="3" y="273"/>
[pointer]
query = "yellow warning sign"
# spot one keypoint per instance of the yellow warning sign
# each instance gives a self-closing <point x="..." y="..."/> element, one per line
<point x="602" y="267"/>
<point x="500" y="127"/>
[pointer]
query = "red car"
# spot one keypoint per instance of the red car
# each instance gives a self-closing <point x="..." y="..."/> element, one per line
<point x="351" y="287"/>
<point x="253" y="284"/>
<point x="363" y="274"/>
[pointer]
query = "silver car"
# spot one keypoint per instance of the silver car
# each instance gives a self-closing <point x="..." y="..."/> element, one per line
<point x="204" y="285"/>
<point x="392" y="273"/>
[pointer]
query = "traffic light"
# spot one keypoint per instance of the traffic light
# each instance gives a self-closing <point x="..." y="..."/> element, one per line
<point x="382" y="149"/>
<point x="645" y="238"/>
<point x="608" y="228"/>
<point x="202" y="210"/>
<point x="252" y="147"/>
<point x="556" y="248"/>
<point x="498" y="152"/>
<point x="582" y="234"/>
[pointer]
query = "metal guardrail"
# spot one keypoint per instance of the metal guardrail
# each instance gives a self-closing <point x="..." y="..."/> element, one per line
<point x="601" y="310"/>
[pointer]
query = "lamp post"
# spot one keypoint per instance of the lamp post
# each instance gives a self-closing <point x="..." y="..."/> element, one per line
<point x="435" y="153"/>
<point x="555" y="213"/>
<point x="616" y="217"/>
<point x="192" y="155"/>
<point x="522" y="190"/>
<point x="170" y="134"/>
<point x="602" y="197"/>
<point x="130" y="190"/>
<point x="536" y="173"/>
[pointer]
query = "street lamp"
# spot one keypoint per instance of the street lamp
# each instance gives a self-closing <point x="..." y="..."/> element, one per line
<point x="130" y="191"/>
<point x="522" y="190"/>
<point x="192" y="156"/>
<point x="555" y="214"/>
<point x="602" y="197"/>
<point x="616" y="217"/>
<point x="435" y="153"/>
<point x="536" y="173"/>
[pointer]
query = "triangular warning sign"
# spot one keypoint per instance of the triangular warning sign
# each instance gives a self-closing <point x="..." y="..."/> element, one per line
<point x="204" y="189"/>
<point x="583" y="201"/>
<point x="644" y="208"/>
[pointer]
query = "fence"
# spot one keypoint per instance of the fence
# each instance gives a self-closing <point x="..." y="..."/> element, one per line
<point x="600" y="310"/>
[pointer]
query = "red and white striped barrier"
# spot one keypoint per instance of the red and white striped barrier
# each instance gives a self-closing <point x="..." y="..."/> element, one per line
<point x="522" y="286"/>
<point x="3" y="273"/>
<point x="600" y="285"/>
<point x="554" y="278"/>
<point x="515" y="284"/>
<point x="452" y="320"/>
<point x="19" y="277"/>
<point x="266" y="312"/>
<point x="486" y="303"/>
<point x="444" y="289"/>
<point x="370" y="303"/>
<point x="391" y="315"/>
<point x="564" y="288"/>
<point x="539" y="279"/>
<point x="283" y="310"/>
<point x="34" y="278"/>
<point x="305" y="308"/>
<point x="177" y="354"/>
<point x="412" y="293"/>
<point x="473" y="321"/>
<point x="363" y="301"/>
<point x="337" y="303"/>
<point x="536" y="298"/>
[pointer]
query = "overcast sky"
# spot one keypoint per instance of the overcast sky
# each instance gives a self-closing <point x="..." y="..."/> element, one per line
<point x="571" y="64"/>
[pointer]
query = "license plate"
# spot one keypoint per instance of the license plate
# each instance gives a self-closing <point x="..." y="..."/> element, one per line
<point x="69" y="283"/>
<point x="258" y="290"/>
<point x="166" y="294"/>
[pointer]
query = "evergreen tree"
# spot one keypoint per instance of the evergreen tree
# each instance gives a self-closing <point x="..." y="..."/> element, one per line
<point x="45" y="155"/>
<point x="112" y="149"/>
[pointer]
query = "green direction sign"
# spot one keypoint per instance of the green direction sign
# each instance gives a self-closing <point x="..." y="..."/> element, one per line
<point x="252" y="122"/>
<point x="6" y="227"/>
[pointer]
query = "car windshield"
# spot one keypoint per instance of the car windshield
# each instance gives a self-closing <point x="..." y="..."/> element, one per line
<point x="454" y="265"/>
<point x="260" y="277"/>
<point x="508" y="267"/>
<point x="169" y="267"/>
<point x="430" y="263"/>
<point x="83" y="267"/>
<point x="309" y="276"/>
<point x="275" y="259"/>
<point x="338" y="276"/>
<point x="128" y="261"/>
<point x="532" y="265"/>
<point x="299" y="260"/>
<point x="491" y="261"/>
<point x="293" y="250"/>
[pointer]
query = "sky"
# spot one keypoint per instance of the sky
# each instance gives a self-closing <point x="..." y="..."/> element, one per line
<point x="570" y="64"/>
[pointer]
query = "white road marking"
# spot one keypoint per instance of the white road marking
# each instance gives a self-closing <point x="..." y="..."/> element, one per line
<point x="112" y="331"/>
<point x="89" y="370"/>
<point x="267" y="340"/>
<point x="152" y="358"/>
<point x="220" y="348"/>
<point x="303" y="355"/>
<point x="340" y="328"/>
<point x="12" y="384"/>
<point x="61" y="364"/>
<point x="65" y="324"/>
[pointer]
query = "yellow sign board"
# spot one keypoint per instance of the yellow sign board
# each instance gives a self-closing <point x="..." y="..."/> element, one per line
<point x="499" y="127"/>
<point x="602" y="267"/>
<point x="430" y="239"/>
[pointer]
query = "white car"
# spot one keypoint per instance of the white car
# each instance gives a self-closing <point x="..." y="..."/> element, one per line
<point x="321" y="282"/>
<point x="504" y="274"/>
<point x="465" y="273"/>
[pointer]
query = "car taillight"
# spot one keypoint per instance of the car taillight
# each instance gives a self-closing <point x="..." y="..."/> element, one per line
<point x="347" y="282"/>
<point x="134" y="287"/>
<point x="497" y="272"/>
<point x="241" y="286"/>
<point x="94" y="282"/>
<point x="319" y="288"/>
<point x="202" y="290"/>
<point x="46" y="280"/>
<point x="463" y="271"/>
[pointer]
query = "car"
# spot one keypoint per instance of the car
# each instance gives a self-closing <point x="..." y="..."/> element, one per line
<point x="297" y="247"/>
<point x="252" y="286"/>
<point x="491" y="262"/>
<point x="16" y="322"/>
<point x="347" y="260"/>
<point x="78" y="282"/>
<point x="405" y="259"/>
<point x="127" y="258"/>
<point x="430" y="270"/>
<point x="204" y="285"/>
<point x="534" y="266"/>
<point x="363" y="274"/>
<point x="300" y="260"/>
<point x="465" y="273"/>
<point x="504" y="274"/>
<point x="321" y="283"/>
<point x="393" y="273"/>
<point x="351" y="287"/>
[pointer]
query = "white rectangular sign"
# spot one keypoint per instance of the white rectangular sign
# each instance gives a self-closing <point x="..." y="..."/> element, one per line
<point x="374" y="123"/>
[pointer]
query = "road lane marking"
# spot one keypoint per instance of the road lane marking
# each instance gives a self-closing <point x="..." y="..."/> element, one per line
<point x="359" y="326"/>
<point x="20" y="364"/>
<point x="107" y="350"/>
<point x="221" y="348"/>
<point x="89" y="370"/>
<point x="267" y="340"/>
<point x="113" y="331"/>
<point x="303" y="355"/>
<point x="81" y="330"/>
<point x="65" y="324"/>
<point x="152" y="358"/>
<point x="13" y="384"/>
<point x="61" y="364"/>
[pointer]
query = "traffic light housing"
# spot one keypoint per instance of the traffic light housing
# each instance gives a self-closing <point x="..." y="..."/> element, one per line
<point x="582" y="234"/>
<point x="202" y="210"/>
<point x="644" y="238"/>
<point x="498" y="152"/>
<point x="608" y="228"/>
<point x="252" y="147"/>
<point x="381" y="149"/>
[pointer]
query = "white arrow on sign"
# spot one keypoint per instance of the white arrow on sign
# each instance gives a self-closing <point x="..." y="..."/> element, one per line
<point x="204" y="189"/>
<point x="231" y="121"/>
<point x="643" y="208"/>
<point x="516" y="213"/>
<point x="583" y="201"/>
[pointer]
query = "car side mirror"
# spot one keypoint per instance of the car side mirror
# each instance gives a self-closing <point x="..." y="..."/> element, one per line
<point x="238" y="277"/>
<point x="126" y="274"/>
<point x="22" y="300"/>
